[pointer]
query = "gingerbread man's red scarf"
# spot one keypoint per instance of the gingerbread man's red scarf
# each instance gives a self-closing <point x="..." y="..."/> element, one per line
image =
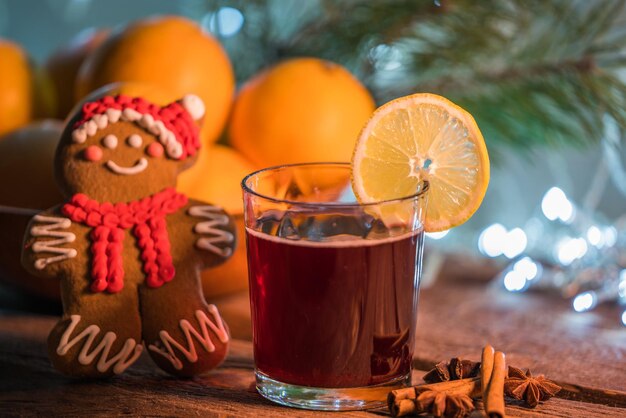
<point x="146" y="217"/>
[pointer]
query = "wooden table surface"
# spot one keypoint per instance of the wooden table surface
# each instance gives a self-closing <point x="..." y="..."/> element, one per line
<point x="585" y="353"/>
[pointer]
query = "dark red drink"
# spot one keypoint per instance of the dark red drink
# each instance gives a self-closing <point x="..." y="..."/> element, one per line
<point x="334" y="314"/>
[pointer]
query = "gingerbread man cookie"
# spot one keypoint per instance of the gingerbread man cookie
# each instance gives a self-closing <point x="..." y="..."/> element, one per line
<point x="126" y="246"/>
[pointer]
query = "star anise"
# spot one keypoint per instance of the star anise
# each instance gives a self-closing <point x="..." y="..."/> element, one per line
<point x="453" y="370"/>
<point x="531" y="389"/>
<point x="439" y="404"/>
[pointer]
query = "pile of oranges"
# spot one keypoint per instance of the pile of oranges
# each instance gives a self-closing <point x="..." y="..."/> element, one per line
<point x="299" y="110"/>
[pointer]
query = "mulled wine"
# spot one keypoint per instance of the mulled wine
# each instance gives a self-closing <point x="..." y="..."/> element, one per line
<point x="333" y="314"/>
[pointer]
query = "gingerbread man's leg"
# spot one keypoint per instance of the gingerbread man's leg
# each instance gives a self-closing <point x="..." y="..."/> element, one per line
<point x="99" y="334"/>
<point x="183" y="334"/>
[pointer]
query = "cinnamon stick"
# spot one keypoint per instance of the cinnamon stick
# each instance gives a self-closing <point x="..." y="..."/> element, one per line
<point x="494" y="400"/>
<point x="402" y="401"/>
<point x="404" y="393"/>
<point x="469" y="387"/>
<point x="395" y="399"/>
<point x="403" y="407"/>
<point x="486" y="368"/>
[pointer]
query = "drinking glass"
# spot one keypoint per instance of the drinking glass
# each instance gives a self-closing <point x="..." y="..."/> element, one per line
<point x="333" y="286"/>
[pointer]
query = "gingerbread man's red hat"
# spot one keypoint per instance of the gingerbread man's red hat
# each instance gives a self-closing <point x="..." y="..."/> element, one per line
<point x="173" y="124"/>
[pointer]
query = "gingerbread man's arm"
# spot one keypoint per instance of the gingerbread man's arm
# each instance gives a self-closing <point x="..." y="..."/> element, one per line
<point x="214" y="231"/>
<point x="48" y="243"/>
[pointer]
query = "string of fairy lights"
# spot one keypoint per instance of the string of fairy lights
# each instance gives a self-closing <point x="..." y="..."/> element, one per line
<point x="563" y="249"/>
<point x="566" y="248"/>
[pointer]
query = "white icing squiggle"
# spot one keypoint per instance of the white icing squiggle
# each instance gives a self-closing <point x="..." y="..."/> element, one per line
<point x="216" y="219"/>
<point x="204" y="339"/>
<point x="53" y="223"/>
<point x="156" y="127"/>
<point x="141" y="165"/>
<point x="127" y="355"/>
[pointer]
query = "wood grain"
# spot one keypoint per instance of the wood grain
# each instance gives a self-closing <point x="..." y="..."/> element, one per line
<point x="30" y="387"/>
<point x="455" y="319"/>
<point x="536" y="331"/>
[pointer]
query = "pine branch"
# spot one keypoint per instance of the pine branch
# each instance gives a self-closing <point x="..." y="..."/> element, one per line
<point x="343" y="23"/>
<point x="539" y="74"/>
<point x="533" y="72"/>
<point x="450" y="83"/>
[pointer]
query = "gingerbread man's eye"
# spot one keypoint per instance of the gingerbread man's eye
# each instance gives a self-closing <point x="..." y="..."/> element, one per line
<point x="110" y="141"/>
<point x="134" y="141"/>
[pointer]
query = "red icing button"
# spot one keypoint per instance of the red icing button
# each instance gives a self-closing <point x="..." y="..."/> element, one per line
<point x="93" y="153"/>
<point x="155" y="150"/>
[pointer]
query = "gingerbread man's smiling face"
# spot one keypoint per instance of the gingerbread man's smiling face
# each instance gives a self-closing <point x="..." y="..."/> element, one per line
<point x="119" y="148"/>
<point x="95" y="153"/>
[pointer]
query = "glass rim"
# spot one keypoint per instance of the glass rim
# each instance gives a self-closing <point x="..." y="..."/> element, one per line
<point x="424" y="187"/>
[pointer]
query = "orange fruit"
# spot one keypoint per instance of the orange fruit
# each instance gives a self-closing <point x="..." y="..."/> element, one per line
<point x="216" y="178"/>
<point x="301" y="110"/>
<point x="26" y="166"/>
<point x="26" y="91"/>
<point x="63" y="65"/>
<point x="16" y="87"/>
<point x="423" y="137"/>
<point x="171" y="52"/>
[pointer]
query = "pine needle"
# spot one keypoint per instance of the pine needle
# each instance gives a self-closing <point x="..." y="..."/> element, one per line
<point x="533" y="72"/>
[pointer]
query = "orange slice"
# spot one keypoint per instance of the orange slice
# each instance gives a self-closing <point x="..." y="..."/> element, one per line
<point x="423" y="137"/>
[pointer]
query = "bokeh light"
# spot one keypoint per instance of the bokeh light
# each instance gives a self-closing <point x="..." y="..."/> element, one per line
<point x="621" y="287"/>
<point x="594" y="236"/>
<point x="527" y="268"/>
<point x="514" y="281"/>
<point x="585" y="301"/>
<point x="555" y="205"/>
<point x="226" y="22"/>
<point x="515" y="243"/>
<point x="610" y="236"/>
<point x="491" y="241"/>
<point x="495" y="240"/>
<point x="570" y="249"/>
